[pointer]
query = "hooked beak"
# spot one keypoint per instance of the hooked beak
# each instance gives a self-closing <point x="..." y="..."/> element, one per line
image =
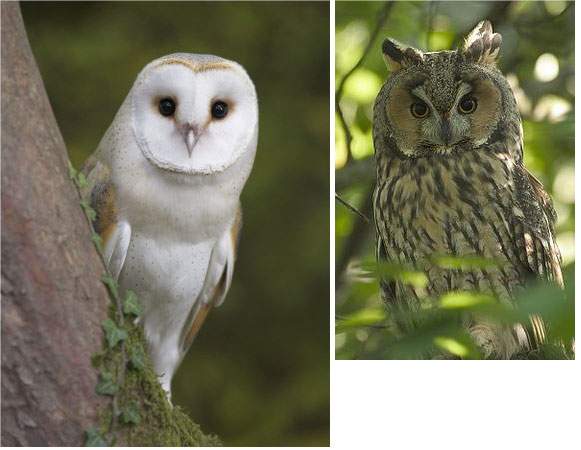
<point x="445" y="129"/>
<point x="446" y="132"/>
<point x="191" y="140"/>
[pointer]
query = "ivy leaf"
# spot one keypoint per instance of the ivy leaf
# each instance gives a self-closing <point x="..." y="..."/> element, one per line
<point x="81" y="180"/>
<point x="111" y="284"/>
<point x="113" y="333"/>
<point x="131" y="304"/>
<point x="98" y="241"/>
<point x="130" y="414"/>
<point x="106" y="384"/>
<point x="89" y="212"/>
<point x="137" y="358"/>
<point x="94" y="438"/>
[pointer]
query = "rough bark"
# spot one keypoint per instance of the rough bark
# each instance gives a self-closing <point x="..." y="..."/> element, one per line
<point x="52" y="299"/>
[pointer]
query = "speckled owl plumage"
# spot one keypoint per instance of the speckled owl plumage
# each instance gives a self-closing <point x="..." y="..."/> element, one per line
<point x="460" y="193"/>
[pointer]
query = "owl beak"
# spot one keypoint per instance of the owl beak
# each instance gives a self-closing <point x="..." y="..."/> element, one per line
<point x="191" y="140"/>
<point x="446" y="131"/>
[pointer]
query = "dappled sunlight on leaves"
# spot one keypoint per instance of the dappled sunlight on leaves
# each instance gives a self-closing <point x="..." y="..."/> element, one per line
<point x="462" y="299"/>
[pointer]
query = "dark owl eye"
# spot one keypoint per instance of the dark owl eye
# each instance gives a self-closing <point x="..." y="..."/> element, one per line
<point x="467" y="105"/>
<point x="167" y="107"/>
<point x="219" y="110"/>
<point x="420" y="110"/>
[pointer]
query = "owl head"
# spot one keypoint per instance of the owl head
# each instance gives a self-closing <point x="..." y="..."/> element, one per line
<point x="193" y="114"/>
<point x="440" y="102"/>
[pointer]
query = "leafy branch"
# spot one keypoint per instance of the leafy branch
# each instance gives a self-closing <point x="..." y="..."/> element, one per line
<point x="362" y="227"/>
<point x="382" y="17"/>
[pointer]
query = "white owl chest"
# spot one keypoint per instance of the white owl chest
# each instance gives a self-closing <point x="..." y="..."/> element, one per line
<point x="194" y="210"/>
<point x="174" y="226"/>
<point x="167" y="276"/>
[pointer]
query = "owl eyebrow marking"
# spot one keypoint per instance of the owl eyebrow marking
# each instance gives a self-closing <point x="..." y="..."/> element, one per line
<point x="420" y="93"/>
<point x="463" y="89"/>
<point x="415" y="82"/>
<point x="197" y="68"/>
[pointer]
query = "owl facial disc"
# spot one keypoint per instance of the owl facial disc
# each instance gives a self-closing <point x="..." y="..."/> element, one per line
<point x="439" y="103"/>
<point x="193" y="116"/>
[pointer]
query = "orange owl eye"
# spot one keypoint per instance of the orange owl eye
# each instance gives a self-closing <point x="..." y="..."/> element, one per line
<point x="419" y="110"/>
<point x="467" y="105"/>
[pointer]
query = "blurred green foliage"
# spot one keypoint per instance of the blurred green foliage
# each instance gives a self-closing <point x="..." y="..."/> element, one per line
<point x="258" y="373"/>
<point x="537" y="56"/>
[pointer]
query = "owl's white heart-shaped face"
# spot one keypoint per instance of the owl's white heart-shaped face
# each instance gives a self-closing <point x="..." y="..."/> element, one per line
<point x="194" y="114"/>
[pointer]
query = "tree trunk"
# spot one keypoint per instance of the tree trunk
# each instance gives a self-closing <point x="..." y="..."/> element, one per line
<point x="53" y="300"/>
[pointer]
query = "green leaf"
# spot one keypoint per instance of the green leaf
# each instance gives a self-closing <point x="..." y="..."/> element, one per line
<point x="130" y="414"/>
<point x="452" y="345"/>
<point x="362" y="318"/>
<point x="464" y="262"/>
<point x="89" y="212"/>
<point x="106" y="384"/>
<point x="461" y="300"/>
<point x="81" y="180"/>
<point x="94" y="438"/>
<point x="137" y="358"/>
<point x="98" y="241"/>
<point x="399" y="272"/>
<point x="113" y="333"/>
<point x="131" y="304"/>
<point x="111" y="284"/>
<point x="407" y="275"/>
<point x="460" y="344"/>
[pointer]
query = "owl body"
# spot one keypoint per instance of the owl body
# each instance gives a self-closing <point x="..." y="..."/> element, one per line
<point x="451" y="183"/>
<point x="166" y="191"/>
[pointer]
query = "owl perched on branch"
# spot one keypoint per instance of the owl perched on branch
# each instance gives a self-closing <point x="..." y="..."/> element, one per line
<point x="165" y="183"/>
<point x="451" y="181"/>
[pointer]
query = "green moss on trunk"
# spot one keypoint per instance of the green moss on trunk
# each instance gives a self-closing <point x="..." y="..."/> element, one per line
<point x="145" y="417"/>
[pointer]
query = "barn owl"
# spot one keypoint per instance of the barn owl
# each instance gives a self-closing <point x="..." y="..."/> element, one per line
<point x="165" y="183"/>
<point x="451" y="181"/>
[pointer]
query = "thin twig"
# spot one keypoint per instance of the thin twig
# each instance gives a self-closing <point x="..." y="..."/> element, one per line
<point x="354" y="241"/>
<point x="352" y="208"/>
<point x="381" y="19"/>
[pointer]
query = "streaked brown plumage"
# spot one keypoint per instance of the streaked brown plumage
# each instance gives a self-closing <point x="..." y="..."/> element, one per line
<point x="452" y="182"/>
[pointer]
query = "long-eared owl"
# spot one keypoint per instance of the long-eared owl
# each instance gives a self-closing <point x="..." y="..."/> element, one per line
<point x="451" y="181"/>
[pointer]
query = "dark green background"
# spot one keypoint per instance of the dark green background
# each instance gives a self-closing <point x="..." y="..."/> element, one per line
<point x="258" y="373"/>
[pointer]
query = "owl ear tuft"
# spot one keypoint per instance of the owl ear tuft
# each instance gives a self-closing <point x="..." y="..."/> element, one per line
<point x="398" y="56"/>
<point x="482" y="45"/>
